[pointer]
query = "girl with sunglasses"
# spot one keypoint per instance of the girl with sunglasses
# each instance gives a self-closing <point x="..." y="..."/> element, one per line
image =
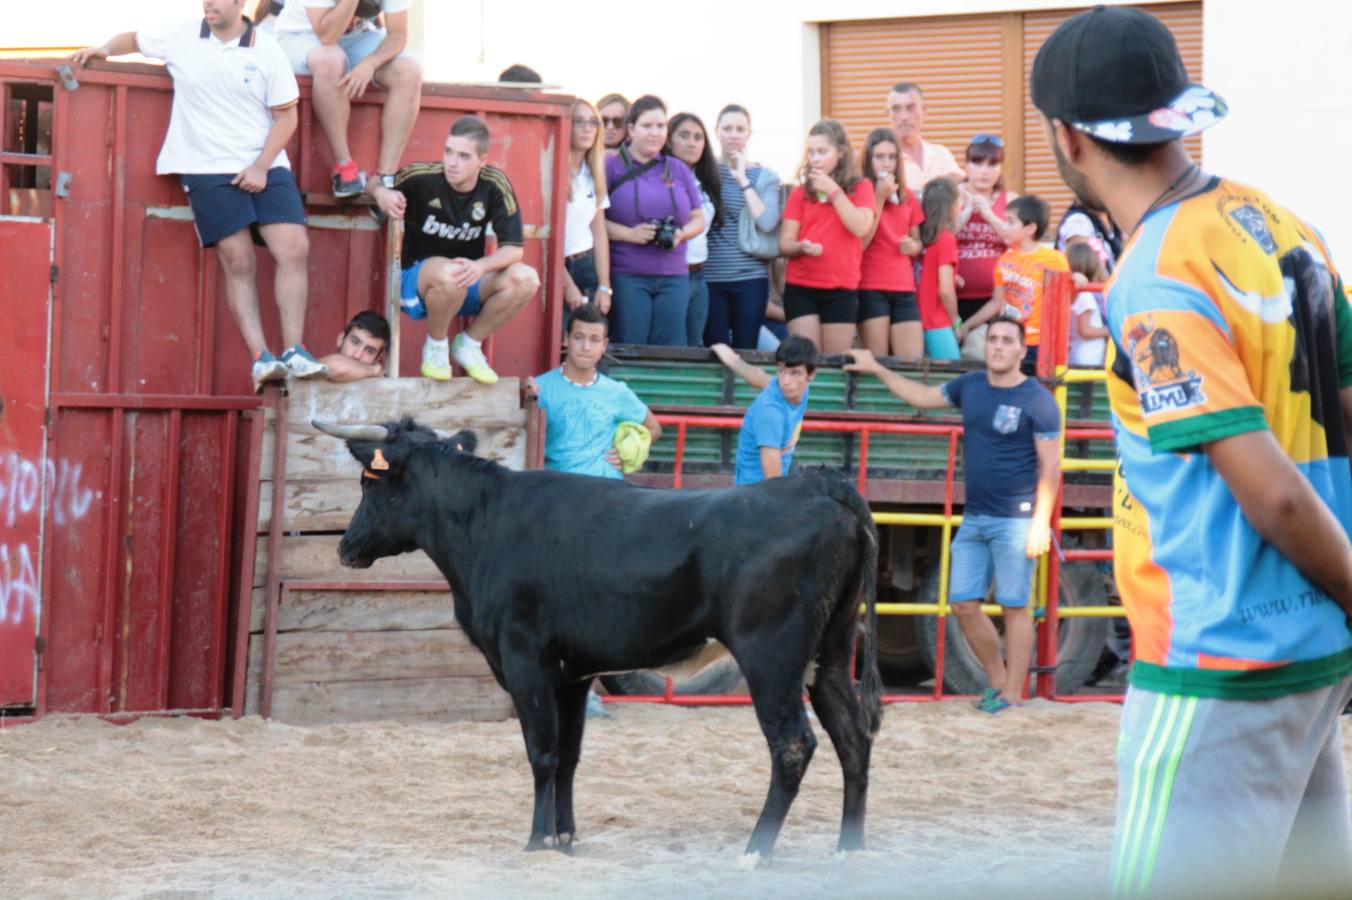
<point x="980" y="229"/>
<point x="586" y="249"/>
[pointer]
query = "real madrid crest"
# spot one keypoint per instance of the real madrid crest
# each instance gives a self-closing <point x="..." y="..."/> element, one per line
<point x="478" y="212"/>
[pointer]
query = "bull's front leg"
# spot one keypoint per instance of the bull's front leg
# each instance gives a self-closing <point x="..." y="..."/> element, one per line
<point x="534" y="695"/>
<point x="572" y="721"/>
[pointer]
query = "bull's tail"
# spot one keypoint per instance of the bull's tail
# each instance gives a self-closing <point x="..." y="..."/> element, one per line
<point x="870" y="680"/>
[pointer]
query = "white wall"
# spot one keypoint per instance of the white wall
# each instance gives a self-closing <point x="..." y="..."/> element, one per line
<point x="1290" y="95"/>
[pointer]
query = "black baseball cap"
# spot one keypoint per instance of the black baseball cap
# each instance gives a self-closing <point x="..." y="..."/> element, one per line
<point x="1114" y="72"/>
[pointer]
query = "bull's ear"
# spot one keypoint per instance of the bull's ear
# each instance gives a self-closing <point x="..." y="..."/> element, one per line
<point x="378" y="456"/>
<point x="464" y="440"/>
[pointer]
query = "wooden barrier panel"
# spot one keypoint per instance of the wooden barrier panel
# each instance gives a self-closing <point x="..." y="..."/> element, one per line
<point x="347" y="653"/>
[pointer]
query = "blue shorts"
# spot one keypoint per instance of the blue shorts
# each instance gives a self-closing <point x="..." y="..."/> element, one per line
<point x="412" y="304"/>
<point x="942" y="343"/>
<point x="356" y="46"/>
<point x="987" y="546"/>
<point x="220" y="209"/>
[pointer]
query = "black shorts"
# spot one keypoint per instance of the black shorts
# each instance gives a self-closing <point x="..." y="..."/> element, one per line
<point x="835" y="306"/>
<point x="220" y="209"/>
<point x="898" y="306"/>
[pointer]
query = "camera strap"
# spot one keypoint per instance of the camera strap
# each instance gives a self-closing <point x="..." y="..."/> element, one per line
<point x="634" y="171"/>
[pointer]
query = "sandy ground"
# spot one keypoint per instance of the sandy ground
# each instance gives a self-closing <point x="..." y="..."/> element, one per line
<point x="961" y="804"/>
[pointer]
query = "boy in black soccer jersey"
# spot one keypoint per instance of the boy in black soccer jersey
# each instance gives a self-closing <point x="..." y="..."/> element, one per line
<point x="446" y="208"/>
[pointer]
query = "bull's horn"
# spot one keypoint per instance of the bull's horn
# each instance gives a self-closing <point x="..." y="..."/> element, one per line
<point x="353" y="432"/>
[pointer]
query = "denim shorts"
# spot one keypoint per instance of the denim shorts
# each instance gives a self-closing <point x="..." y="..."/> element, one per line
<point x="356" y="45"/>
<point x="412" y="304"/>
<point x="991" y="547"/>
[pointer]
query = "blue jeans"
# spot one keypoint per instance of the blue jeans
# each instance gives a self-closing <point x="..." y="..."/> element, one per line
<point x="736" y="309"/>
<point x="649" y="309"/>
<point x="583" y="272"/>
<point x="698" y="313"/>
<point x="987" y="546"/>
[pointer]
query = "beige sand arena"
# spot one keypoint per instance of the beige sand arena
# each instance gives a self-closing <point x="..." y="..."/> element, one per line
<point x="960" y="803"/>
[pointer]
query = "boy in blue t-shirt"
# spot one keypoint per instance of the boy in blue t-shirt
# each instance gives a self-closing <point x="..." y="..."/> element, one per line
<point x="773" y="421"/>
<point x="1012" y="461"/>
<point x="583" y="407"/>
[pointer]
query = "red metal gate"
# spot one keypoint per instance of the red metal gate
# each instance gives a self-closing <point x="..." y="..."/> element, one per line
<point x="29" y="481"/>
<point x="121" y="356"/>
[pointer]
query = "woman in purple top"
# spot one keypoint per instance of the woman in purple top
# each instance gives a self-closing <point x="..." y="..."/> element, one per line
<point x="654" y="209"/>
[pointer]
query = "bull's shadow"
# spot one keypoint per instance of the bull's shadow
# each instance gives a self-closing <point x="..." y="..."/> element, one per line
<point x="557" y="578"/>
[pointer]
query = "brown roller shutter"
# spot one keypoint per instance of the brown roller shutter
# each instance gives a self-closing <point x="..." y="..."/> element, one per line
<point x="957" y="60"/>
<point x="1039" y="174"/>
<point x="974" y="70"/>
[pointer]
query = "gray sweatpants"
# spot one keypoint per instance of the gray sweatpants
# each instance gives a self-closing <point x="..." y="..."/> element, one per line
<point x="1220" y="798"/>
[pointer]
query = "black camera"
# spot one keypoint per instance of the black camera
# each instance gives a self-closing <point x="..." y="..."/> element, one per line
<point x="666" y="232"/>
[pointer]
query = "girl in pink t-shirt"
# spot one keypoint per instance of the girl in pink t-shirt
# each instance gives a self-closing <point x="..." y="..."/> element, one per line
<point x="938" y="295"/>
<point x="888" y="314"/>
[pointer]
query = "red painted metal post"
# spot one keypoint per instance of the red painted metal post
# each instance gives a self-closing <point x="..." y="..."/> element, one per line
<point x="679" y="462"/>
<point x="941" y="628"/>
<point x="1055" y="346"/>
<point x="863" y="462"/>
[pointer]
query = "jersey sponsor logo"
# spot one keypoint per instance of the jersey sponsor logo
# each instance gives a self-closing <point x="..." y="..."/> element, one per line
<point x="1160" y="379"/>
<point x="1252" y="220"/>
<point x="1006" y="419"/>
<point x="465" y="232"/>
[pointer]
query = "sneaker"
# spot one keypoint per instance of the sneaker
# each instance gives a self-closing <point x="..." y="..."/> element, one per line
<point x="436" y="362"/>
<point x="472" y="360"/>
<point x="348" y="180"/>
<point x="301" y="364"/>
<point x="266" y="367"/>
<point x="596" y="707"/>
<point x="994" y="706"/>
<point x="987" y="696"/>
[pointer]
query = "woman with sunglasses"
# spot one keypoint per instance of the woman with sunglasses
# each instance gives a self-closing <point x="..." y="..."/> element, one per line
<point x="586" y="248"/>
<point x="980" y="229"/>
<point x="612" y="109"/>
<point x="654" y="210"/>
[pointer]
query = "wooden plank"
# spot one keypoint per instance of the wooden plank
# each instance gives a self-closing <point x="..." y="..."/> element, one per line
<point x="469" y="699"/>
<point x="322" y="656"/>
<point x="358" y="611"/>
<point x="316" y="556"/>
<point x="315" y="456"/>
<point x="440" y="404"/>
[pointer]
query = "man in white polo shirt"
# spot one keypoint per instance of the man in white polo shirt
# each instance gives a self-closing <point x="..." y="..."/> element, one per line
<point x="340" y="44"/>
<point x="234" y="110"/>
<point x="923" y="160"/>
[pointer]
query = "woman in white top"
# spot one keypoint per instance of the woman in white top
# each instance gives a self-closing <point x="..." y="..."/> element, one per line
<point x="689" y="142"/>
<point x="586" y="249"/>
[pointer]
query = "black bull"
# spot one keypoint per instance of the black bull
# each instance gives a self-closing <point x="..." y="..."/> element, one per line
<point x="557" y="578"/>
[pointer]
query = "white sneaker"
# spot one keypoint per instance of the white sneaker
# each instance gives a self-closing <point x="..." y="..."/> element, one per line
<point x="265" y="368"/>
<point x="436" y="362"/>
<point x="301" y="364"/>
<point x="472" y="360"/>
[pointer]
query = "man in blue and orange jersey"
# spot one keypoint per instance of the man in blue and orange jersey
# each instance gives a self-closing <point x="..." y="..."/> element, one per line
<point x="1230" y="378"/>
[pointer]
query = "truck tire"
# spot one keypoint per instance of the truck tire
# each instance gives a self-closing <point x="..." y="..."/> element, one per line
<point x="719" y="677"/>
<point x="1080" y="641"/>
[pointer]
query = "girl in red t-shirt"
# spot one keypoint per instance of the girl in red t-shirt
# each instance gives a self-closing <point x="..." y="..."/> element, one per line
<point x="938" y="295"/>
<point x="888" y="314"/>
<point x="825" y="219"/>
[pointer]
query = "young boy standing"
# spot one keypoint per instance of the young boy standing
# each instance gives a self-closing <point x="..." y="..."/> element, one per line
<point x="1020" y="272"/>
<point x="584" y="407"/>
<point x="774" y="420"/>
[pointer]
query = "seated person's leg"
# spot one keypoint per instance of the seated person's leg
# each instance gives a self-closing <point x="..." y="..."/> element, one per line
<point x="332" y="109"/>
<point x="501" y="295"/>
<point x="402" y="78"/>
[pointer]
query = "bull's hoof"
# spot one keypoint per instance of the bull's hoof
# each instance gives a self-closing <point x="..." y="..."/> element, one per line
<point x="536" y="844"/>
<point x="565" y="844"/>
<point x="749" y="862"/>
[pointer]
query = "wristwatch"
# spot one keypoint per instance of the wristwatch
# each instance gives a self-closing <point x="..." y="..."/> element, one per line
<point x="604" y="289"/>
<point x="386" y="181"/>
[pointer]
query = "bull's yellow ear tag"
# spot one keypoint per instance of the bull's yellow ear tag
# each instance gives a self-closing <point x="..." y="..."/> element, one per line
<point x="379" y="463"/>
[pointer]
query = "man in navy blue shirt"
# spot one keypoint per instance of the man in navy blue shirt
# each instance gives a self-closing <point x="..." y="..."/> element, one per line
<point x="1011" y="453"/>
<point x="774" y="419"/>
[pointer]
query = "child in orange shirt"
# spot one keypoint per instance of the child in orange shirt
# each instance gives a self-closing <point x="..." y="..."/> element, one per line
<point x="1019" y="273"/>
